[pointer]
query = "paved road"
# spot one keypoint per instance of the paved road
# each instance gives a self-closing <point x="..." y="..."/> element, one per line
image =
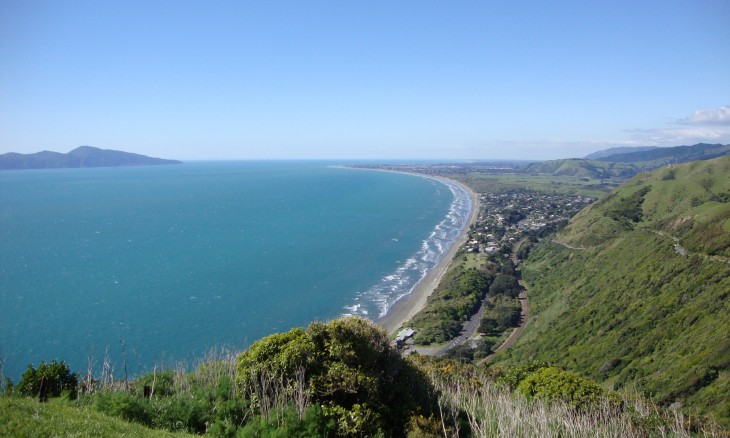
<point x="471" y="326"/>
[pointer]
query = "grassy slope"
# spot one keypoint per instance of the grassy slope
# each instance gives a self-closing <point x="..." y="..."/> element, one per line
<point x="579" y="167"/>
<point x="25" y="417"/>
<point x="489" y="183"/>
<point x="689" y="202"/>
<point x="628" y="309"/>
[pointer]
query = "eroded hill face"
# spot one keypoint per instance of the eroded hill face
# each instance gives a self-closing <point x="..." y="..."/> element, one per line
<point x="634" y="291"/>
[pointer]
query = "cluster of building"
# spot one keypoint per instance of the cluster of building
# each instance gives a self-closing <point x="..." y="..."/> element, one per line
<point x="507" y="216"/>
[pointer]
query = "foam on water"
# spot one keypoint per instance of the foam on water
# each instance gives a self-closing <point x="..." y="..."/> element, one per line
<point x="174" y="260"/>
<point x="379" y="298"/>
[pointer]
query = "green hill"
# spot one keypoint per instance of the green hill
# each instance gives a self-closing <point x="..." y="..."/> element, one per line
<point x="82" y="156"/>
<point x="634" y="291"/>
<point x="582" y="168"/>
<point x="675" y="155"/>
<point x="618" y="150"/>
<point x="623" y="166"/>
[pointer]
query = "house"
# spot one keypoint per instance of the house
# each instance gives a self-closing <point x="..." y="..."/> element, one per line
<point x="403" y="336"/>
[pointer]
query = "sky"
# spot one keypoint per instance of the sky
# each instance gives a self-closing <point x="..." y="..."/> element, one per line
<point x="458" y="80"/>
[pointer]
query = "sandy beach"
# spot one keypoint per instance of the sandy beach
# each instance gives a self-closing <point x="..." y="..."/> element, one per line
<point x="405" y="308"/>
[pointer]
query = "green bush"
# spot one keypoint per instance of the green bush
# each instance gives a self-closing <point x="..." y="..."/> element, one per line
<point x="346" y="366"/>
<point x="161" y="381"/>
<point x="286" y="423"/>
<point x="513" y="376"/>
<point x="552" y="383"/>
<point x="60" y="378"/>
<point x="196" y="409"/>
<point x="124" y="405"/>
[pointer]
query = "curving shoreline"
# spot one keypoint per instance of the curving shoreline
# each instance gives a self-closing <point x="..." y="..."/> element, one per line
<point x="407" y="306"/>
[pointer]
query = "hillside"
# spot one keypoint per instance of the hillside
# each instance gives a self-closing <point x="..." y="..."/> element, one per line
<point x="619" y="150"/>
<point x="634" y="291"/>
<point x="577" y="167"/>
<point x="25" y="417"/>
<point x="83" y="156"/>
<point x="672" y="155"/>
<point x="624" y="163"/>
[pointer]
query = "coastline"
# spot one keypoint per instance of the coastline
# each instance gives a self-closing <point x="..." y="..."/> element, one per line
<point x="406" y="307"/>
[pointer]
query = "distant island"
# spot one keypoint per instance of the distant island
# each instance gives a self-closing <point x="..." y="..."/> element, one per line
<point x="83" y="156"/>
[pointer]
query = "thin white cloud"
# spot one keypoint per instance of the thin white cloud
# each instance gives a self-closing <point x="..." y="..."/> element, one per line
<point x="703" y="126"/>
<point x="681" y="136"/>
<point x="713" y="116"/>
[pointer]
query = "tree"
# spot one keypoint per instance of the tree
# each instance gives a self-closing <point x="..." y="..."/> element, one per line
<point x="487" y="325"/>
<point x="346" y="366"/>
<point x="59" y="378"/>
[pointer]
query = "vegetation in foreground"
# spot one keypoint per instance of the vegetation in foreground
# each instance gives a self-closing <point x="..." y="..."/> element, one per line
<point x="342" y="378"/>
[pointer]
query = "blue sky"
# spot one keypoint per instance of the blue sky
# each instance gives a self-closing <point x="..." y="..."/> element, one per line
<point x="354" y="80"/>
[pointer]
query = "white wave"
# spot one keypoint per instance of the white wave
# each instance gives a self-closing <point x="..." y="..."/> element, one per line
<point x="400" y="283"/>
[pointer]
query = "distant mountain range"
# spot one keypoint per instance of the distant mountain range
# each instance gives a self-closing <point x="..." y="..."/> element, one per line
<point x="84" y="156"/>
<point x="657" y="157"/>
<point x="620" y="150"/>
<point x="624" y="163"/>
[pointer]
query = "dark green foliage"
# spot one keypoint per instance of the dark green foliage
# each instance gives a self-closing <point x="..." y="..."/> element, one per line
<point x="488" y="324"/>
<point x="124" y="405"/>
<point x="456" y="299"/>
<point x="627" y="210"/>
<point x="514" y="375"/>
<point x="162" y="382"/>
<point x="60" y="378"/>
<point x="462" y="353"/>
<point x="286" y="423"/>
<point x="513" y="216"/>
<point x="8" y="387"/>
<point x="483" y="348"/>
<point x="347" y="366"/>
<point x="552" y="383"/>
<point x="502" y="313"/>
<point x="202" y="405"/>
<point x="505" y="284"/>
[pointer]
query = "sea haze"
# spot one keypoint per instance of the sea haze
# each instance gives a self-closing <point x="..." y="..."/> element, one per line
<point x="175" y="260"/>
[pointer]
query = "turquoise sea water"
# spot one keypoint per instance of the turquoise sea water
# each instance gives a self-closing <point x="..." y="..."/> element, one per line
<point x="174" y="260"/>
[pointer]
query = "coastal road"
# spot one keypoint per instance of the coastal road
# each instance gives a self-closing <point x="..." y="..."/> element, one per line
<point x="471" y="326"/>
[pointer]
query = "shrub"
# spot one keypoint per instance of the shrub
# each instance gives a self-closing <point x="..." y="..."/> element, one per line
<point x="286" y="423"/>
<point x="346" y="365"/>
<point x="124" y="405"/>
<point x="60" y="378"/>
<point x="552" y="383"/>
<point x="513" y="376"/>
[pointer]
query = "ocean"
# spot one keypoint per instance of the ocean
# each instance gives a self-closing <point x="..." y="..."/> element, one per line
<point x="171" y="261"/>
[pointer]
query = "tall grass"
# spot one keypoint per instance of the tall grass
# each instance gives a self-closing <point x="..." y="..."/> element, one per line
<point x="491" y="410"/>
